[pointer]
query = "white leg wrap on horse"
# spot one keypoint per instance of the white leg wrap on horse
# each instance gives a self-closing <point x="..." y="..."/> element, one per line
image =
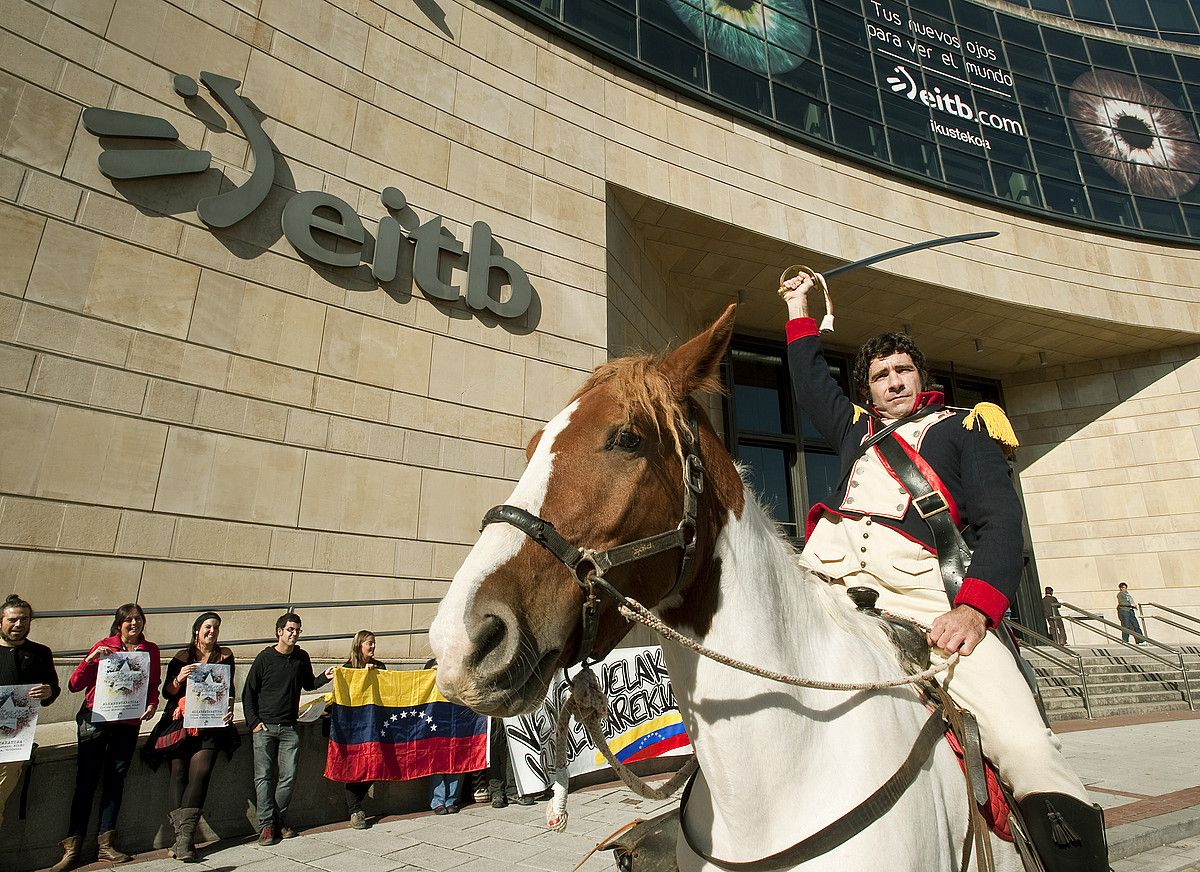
<point x="988" y="682"/>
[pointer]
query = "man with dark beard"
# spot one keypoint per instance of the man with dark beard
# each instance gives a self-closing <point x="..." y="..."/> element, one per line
<point x="22" y="662"/>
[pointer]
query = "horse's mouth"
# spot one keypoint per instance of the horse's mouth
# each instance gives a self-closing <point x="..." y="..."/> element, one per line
<point x="513" y="692"/>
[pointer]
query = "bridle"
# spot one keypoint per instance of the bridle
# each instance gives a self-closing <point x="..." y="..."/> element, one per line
<point x="588" y="566"/>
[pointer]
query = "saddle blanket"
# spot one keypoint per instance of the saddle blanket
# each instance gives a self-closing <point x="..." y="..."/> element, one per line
<point x="996" y="811"/>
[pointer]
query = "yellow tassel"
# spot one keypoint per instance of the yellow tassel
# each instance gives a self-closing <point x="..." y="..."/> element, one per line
<point x="859" y="411"/>
<point x="997" y="424"/>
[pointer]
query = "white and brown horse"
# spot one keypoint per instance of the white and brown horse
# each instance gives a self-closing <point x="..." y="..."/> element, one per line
<point x="777" y="763"/>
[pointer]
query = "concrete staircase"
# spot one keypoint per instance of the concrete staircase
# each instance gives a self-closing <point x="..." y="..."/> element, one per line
<point x="1120" y="682"/>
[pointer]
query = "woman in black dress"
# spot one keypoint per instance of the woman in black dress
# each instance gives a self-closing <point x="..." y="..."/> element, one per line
<point x="191" y="752"/>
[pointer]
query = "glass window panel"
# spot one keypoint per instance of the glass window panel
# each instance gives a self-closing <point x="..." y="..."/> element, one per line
<point x="801" y="112"/>
<point x="1067" y="71"/>
<point x="907" y="115"/>
<point x="858" y="134"/>
<point x="1092" y="10"/>
<point x="1063" y="44"/>
<point x="739" y="85"/>
<point x="807" y="78"/>
<point x="821" y="473"/>
<point x="1020" y="31"/>
<point x="1160" y="215"/>
<point x="1056" y="7"/>
<point x="1011" y="150"/>
<point x="940" y="8"/>
<point x="767" y="474"/>
<point x="1113" y="207"/>
<point x="1046" y="127"/>
<point x="1036" y="94"/>
<point x="966" y="170"/>
<point x="842" y="23"/>
<point x="1028" y="61"/>
<point x="1192" y="215"/>
<point x="1132" y="13"/>
<point x="735" y="44"/>
<point x="607" y="23"/>
<point x="1065" y="198"/>
<point x="1170" y="93"/>
<point x="673" y="56"/>
<point x="1172" y="15"/>
<point x="757" y="401"/>
<point x="1055" y="161"/>
<point x="846" y="58"/>
<point x="858" y="97"/>
<point x="914" y="153"/>
<point x="1016" y="184"/>
<point x="665" y="17"/>
<point x="977" y="18"/>
<point x="1109" y="55"/>
<point x="1153" y="63"/>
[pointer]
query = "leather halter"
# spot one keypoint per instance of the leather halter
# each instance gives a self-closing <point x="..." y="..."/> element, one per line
<point x="589" y="566"/>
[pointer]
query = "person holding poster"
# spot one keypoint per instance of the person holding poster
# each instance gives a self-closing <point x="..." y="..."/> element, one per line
<point x="27" y="681"/>
<point x="196" y="725"/>
<point x="106" y="745"/>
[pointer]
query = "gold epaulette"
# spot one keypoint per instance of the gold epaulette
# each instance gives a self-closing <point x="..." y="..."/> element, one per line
<point x="996" y="422"/>
<point x="859" y="411"/>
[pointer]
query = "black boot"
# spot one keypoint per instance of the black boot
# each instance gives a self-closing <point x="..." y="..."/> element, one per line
<point x="1067" y="834"/>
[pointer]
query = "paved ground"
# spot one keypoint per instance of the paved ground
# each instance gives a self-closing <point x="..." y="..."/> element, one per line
<point x="1142" y="770"/>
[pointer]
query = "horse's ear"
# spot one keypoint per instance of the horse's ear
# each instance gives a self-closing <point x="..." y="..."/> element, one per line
<point x="695" y="365"/>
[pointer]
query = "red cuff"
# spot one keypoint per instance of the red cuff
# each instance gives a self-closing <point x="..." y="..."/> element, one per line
<point x="799" y="328"/>
<point x="977" y="593"/>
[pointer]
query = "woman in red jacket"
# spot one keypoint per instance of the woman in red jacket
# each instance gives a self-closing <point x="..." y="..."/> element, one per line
<point x="106" y="749"/>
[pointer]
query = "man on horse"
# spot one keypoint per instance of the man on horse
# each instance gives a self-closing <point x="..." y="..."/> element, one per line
<point x="871" y="532"/>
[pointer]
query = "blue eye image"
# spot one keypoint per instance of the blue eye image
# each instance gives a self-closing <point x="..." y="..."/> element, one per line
<point x="765" y="38"/>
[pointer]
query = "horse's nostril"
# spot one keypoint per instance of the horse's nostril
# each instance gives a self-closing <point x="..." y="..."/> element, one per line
<point x="488" y="637"/>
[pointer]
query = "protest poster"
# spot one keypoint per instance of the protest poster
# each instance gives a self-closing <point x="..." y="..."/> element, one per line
<point x="206" y="703"/>
<point x="122" y="685"/>
<point x="18" y="722"/>
<point x="643" y="721"/>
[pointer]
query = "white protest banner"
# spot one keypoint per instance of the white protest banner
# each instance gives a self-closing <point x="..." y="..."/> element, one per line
<point x="206" y="703"/>
<point x="643" y="721"/>
<point x="18" y="722"/>
<point x="122" y="684"/>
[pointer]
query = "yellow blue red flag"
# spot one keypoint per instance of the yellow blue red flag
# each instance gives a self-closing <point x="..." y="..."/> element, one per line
<point x="396" y="725"/>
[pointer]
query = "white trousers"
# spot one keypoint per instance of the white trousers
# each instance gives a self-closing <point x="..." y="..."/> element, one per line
<point x="988" y="682"/>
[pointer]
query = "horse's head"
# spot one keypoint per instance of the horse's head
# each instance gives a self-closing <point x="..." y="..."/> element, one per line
<point x="606" y="471"/>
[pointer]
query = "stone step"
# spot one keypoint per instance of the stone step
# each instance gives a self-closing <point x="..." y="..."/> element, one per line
<point x="1107" y="711"/>
<point x="1112" y="699"/>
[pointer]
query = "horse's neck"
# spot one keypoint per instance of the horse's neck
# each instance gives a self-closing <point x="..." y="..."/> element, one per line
<point x="822" y="750"/>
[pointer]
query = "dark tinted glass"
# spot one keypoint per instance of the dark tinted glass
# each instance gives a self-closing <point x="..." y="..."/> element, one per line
<point x="767" y="474"/>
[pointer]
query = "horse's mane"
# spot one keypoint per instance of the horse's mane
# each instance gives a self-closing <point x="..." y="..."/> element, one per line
<point x="645" y="394"/>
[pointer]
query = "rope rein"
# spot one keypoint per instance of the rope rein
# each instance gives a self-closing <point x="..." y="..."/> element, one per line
<point x="588" y="704"/>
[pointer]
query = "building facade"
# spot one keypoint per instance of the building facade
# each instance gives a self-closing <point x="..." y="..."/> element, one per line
<point x="286" y="287"/>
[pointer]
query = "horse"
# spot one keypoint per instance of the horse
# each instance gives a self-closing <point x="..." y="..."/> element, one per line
<point x="776" y="763"/>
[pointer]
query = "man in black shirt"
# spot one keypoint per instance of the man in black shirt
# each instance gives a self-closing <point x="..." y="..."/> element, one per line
<point x="271" y="703"/>
<point x="22" y="662"/>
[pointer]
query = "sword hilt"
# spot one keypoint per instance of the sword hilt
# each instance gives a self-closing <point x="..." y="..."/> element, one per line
<point x="819" y="281"/>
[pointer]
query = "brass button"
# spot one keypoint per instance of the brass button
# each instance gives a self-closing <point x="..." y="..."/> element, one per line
<point x="849" y="500"/>
<point x="863" y="549"/>
<point x="900" y="508"/>
<point x="868" y="522"/>
<point x="866" y="535"/>
<point x="863" y="564"/>
<point x="853" y="484"/>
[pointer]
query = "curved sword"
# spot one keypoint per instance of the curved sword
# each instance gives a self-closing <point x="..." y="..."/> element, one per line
<point x="907" y="249"/>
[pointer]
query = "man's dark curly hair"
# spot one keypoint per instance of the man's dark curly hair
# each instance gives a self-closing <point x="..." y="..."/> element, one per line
<point x="885" y="345"/>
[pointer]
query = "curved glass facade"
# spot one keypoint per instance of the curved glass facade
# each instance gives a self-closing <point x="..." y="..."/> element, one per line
<point x="1046" y="119"/>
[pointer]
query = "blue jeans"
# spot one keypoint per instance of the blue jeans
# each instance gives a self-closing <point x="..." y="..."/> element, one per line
<point x="1130" y="622"/>
<point x="443" y="789"/>
<point x="276" y="756"/>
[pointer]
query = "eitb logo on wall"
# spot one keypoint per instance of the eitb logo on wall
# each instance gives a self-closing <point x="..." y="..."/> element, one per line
<point x="307" y="214"/>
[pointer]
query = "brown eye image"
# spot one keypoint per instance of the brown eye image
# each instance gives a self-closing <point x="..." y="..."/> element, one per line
<point x="1135" y="134"/>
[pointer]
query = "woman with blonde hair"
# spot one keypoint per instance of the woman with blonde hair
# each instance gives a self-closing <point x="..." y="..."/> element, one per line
<point x="362" y="656"/>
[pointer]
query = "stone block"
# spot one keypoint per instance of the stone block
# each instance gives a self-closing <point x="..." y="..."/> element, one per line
<point x="395" y="142"/>
<point x="358" y="495"/>
<point x="476" y="376"/>
<point x="365" y="349"/>
<point x="498" y="184"/>
<point x="176" y="40"/>
<point x="33" y="523"/>
<point x="89" y="528"/>
<point x="452" y="504"/>
<point x="307" y="428"/>
<point x="171" y="401"/>
<point x="143" y="534"/>
<point x="119" y="390"/>
<point x="64" y="379"/>
<point x="293" y="548"/>
<point x="22" y="232"/>
<point x="36" y="125"/>
<point x="16" y="367"/>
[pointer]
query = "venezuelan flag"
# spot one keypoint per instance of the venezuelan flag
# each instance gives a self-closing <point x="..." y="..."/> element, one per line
<point x="393" y="726"/>
<point x="651" y="739"/>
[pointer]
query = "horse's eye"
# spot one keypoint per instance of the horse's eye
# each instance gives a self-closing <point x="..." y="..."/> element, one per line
<point x="626" y="440"/>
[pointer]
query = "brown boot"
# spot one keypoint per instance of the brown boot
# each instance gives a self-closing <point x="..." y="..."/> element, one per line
<point x="106" y="850"/>
<point x="184" y="821"/>
<point x="70" y="857"/>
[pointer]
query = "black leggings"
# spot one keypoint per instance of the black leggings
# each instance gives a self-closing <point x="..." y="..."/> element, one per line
<point x="189" y="778"/>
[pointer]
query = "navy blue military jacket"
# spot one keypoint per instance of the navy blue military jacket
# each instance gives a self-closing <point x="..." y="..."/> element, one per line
<point x="970" y="464"/>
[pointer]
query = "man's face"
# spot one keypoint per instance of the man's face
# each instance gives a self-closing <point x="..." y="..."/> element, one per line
<point x="14" y="625"/>
<point x="894" y="382"/>
<point x="289" y="635"/>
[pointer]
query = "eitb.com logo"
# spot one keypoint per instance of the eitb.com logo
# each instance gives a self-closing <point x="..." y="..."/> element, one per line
<point x="308" y="211"/>
<point x="905" y="85"/>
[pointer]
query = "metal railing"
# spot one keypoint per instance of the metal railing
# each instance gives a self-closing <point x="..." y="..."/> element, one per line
<point x="249" y="607"/>
<point x="1195" y="631"/>
<point x="1076" y="668"/>
<point x="1180" y="666"/>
